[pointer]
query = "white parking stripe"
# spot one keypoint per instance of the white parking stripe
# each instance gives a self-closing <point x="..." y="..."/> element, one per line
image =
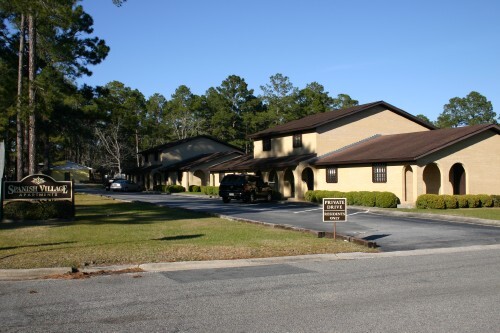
<point x="308" y="210"/>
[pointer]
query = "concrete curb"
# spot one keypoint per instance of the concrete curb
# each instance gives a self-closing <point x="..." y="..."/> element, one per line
<point x="31" y="274"/>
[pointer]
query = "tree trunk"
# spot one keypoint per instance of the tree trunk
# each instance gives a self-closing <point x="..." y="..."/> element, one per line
<point x="32" y="107"/>
<point x="137" y="147"/>
<point x="19" y="124"/>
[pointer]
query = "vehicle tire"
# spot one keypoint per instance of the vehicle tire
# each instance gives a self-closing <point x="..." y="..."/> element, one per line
<point x="269" y="196"/>
<point x="226" y="199"/>
<point x="252" y="197"/>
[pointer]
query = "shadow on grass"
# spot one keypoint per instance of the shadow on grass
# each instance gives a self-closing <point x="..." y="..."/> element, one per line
<point x="33" y="245"/>
<point x="111" y="213"/>
<point x="179" y="237"/>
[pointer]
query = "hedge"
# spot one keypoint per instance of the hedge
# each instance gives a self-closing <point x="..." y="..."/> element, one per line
<point x="40" y="210"/>
<point x="169" y="188"/>
<point x="362" y="198"/>
<point x="210" y="190"/>
<point x="435" y="201"/>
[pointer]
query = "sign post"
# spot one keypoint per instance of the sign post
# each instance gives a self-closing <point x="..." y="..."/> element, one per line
<point x="334" y="210"/>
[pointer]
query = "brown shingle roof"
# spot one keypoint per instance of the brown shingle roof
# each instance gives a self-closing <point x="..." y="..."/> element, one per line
<point x="190" y="163"/>
<point x="178" y="142"/>
<point x="402" y="147"/>
<point x="313" y="121"/>
<point x="247" y="163"/>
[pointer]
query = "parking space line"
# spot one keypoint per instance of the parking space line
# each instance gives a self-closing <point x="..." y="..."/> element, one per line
<point x="308" y="210"/>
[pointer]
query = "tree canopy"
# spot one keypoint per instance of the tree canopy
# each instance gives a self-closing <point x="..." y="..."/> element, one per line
<point x="471" y="110"/>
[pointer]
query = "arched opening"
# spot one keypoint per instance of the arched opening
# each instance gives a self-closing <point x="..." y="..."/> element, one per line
<point x="274" y="181"/>
<point x="289" y="184"/>
<point x="457" y="178"/>
<point x="156" y="179"/>
<point x="408" y="183"/>
<point x="199" y="178"/>
<point x="432" y="179"/>
<point x="308" y="179"/>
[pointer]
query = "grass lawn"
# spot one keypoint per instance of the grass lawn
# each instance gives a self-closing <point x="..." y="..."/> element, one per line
<point x="107" y="232"/>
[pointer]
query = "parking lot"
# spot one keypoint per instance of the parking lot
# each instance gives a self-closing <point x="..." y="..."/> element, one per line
<point x="391" y="233"/>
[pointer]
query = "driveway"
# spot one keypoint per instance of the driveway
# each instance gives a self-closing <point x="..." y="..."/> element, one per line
<point x="391" y="233"/>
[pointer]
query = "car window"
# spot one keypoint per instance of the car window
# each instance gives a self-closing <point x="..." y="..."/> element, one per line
<point x="233" y="180"/>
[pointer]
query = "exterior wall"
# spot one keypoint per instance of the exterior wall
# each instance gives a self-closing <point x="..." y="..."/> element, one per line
<point x="359" y="178"/>
<point x="361" y="126"/>
<point x="191" y="149"/>
<point x="283" y="146"/>
<point x="479" y="156"/>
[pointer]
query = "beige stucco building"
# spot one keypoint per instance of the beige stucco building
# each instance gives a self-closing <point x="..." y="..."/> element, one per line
<point x="184" y="162"/>
<point x="374" y="147"/>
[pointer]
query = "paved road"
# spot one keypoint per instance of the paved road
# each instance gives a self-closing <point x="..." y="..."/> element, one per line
<point x="392" y="233"/>
<point x="393" y="292"/>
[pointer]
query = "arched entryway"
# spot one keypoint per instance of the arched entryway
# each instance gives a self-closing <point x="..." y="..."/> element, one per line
<point x="199" y="178"/>
<point x="156" y="179"/>
<point x="289" y="184"/>
<point x="308" y="179"/>
<point x="432" y="179"/>
<point x="457" y="178"/>
<point x="274" y="181"/>
<point x="408" y="184"/>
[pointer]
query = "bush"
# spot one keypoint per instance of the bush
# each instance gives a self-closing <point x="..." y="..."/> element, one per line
<point x="175" y="189"/>
<point x="496" y="200"/>
<point x="210" y="190"/>
<point x="367" y="198"/>
<point x="430" y="201"/>
<point x="386" y="200"/>
<point x="39" y="210"/>
<point x="486" y="200"/>
<point x="309" y="196"/>
<point x="450" y="201"/>
<point x="473" y="201"/>
<point x="364" y="198"/>
<point x="462" y="201"/>
<point x="194" y="188"/>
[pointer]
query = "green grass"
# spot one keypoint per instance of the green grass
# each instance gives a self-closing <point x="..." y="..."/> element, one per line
<point x="108" y="232"/>
<point x="482" y="213"/>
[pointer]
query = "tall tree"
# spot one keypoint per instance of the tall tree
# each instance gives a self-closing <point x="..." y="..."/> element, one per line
<point x="184" y="113"/>
<point x="281" y="100"/>
<point x="229" y="104"/>
<point x="344" y="101"/>
<point x="314" y="99"/>
<point x="470" y="110"/>
<point x="56" y="38"/>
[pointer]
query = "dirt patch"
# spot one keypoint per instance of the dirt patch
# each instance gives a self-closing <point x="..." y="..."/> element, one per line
<point x="77" y="274"/>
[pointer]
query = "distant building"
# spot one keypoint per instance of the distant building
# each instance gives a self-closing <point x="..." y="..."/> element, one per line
<point x="67" y="170"/>
<point x="185" y="162"/>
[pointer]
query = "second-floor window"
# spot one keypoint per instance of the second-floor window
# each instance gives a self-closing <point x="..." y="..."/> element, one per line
<point x="266" y="144"/>
<point x="297" y="140"/>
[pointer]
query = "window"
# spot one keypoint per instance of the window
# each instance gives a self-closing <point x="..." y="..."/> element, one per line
<point x="266" y="144"/>
<point x="379" y="173"/>
<point x="157" y="154"/>
<point x="332" y="175"/>
<point x="297" y="140"/>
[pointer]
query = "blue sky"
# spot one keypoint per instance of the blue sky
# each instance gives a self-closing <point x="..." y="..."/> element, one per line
<point x="415" y="55"/>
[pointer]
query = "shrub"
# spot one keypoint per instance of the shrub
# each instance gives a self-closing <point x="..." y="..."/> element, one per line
<point x="473" y="201"/>
<point x="309" y="196"/>
<point x="40" y="210"/>
<point x="450" y="201"/>
<point x="496" y="200"/>
<point x="486" y="200"/>
<point x="430" y="201"/>
<point x="210" y="190"/>
<point x="194" y="188"/>
<point x="367" y="198"/>
<point x="462" y="201"/>
<point x="175" y="189"/>
<point x="386" y="200"/>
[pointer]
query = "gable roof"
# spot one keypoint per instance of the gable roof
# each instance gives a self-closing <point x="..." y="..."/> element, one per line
<point x="195" y="161"/>
<point x="313" y="121"/>
<point x="179" y="142"/>
<point x="248" y="163"/>
<point x="402" y="147"/>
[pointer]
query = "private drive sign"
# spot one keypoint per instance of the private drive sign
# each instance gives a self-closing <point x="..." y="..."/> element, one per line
<point x="334" y="209"/>
<point x="37" y="187"/>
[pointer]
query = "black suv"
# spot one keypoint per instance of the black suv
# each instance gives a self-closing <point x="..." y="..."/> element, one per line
<point x="244" y="187"/>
